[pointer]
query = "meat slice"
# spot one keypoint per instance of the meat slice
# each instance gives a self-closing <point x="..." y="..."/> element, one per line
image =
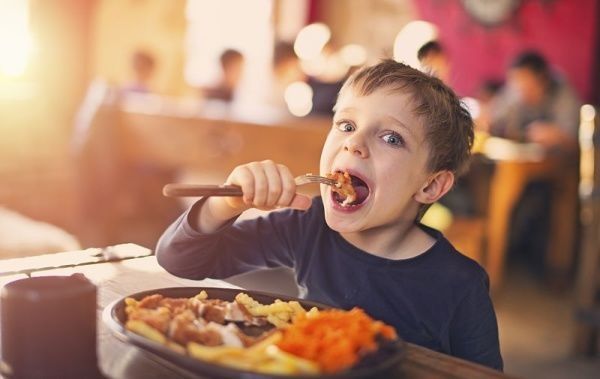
<point x="214" y="313"/>
<point x="151" y="301"/>
<point x="186" y="328"/>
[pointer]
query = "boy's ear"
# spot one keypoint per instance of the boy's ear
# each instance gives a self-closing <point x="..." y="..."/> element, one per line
<point x="435" y="187"/>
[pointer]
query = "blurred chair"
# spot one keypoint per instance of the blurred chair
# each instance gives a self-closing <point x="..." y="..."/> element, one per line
<point x="587" y="334"/>
<point x="467" y="232"/>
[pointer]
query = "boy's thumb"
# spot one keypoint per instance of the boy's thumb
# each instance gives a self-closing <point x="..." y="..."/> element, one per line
<point x="301" y="202"/>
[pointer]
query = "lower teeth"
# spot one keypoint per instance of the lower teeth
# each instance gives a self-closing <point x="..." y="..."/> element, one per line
<point x="343" y="201"/>
<point x="345" y="204"/>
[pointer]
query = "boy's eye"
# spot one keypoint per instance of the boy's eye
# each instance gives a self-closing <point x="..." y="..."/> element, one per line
<point x="394" y="139"/>
<point x="345" y="126"/>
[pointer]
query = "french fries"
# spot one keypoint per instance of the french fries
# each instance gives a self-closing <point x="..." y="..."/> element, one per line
<point x="279" y="313"/>
<point x="201" y="296"/>
<point x="145" y="330"/>
<point x="303" y="366"/>
<point x="264" y="357"/>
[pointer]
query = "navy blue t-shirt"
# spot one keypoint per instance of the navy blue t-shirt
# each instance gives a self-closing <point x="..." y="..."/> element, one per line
<point x="438" y="299"/>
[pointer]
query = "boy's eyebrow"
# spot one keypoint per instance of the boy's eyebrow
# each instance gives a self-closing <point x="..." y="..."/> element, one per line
<point x="402" y="125"/>
<point x="346" y="109"/>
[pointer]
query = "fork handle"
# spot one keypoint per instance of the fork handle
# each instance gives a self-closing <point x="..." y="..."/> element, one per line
<point x="183" y="190"/>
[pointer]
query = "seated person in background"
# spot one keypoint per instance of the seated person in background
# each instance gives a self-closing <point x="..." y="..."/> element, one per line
<point x="489" y="90"/>
<point x="142" y="65"/>
<point x="327" y="84"/>
<point x="402" y="136"/>
<point x="232" y="66"/>
<point x="434" y="60"/>
<point x="537" y="106"/>
<point x="486" y="96"/>
<point x="286" y="70"/>
<point x="286" y="65"/>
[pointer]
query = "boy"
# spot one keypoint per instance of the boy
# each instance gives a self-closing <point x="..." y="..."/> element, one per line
<point x="402" y="135"/>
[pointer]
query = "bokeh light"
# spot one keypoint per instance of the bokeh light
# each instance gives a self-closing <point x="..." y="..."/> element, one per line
<point x="408" y="41"/>
<point x="15" y="38"/>
<point x="353" y="55"/>
<point x="298" y="97"/>
<point x="311" y="40"/>
<point x="588" y="112"/>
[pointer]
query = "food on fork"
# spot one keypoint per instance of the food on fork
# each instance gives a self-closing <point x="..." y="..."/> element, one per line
<point x="343" y="186"/>
<point x="290" y="339"/>
<point x="350" y="190"/>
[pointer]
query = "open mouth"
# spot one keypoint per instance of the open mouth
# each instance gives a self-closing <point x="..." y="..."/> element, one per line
<point x="354" y="196"/>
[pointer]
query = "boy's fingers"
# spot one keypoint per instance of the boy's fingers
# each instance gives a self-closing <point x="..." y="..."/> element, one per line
<point x="301" y="202"/>
<point x="261" y="185"/>
<point x="288" y="186"/>
<point x="243" y="177"/>
<point x="274" y="184"/>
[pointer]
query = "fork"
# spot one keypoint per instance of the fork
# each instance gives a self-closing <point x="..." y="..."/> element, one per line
<point x="310" y="178"/>
<point x="183" y="190"/>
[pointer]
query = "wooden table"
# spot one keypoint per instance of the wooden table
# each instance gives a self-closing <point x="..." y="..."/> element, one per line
<point x="120" y="360"/>
<point x="512" y="173"/>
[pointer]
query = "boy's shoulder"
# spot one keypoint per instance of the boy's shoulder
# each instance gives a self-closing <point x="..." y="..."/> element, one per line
<point x="457" y="265"/>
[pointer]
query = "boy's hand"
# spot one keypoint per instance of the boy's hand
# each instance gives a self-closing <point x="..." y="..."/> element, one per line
<point x="266" y="185"/>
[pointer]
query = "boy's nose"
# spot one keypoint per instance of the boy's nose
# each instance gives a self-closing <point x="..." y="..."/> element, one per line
<point x="355" y="146"/>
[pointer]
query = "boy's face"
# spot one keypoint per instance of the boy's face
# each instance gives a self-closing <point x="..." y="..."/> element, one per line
<point x="381" y="143"/>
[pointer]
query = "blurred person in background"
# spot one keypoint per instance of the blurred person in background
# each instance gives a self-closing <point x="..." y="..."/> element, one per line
<point x="327" y="84"/>
<point x="232" y="67"/>
<point x="286" y="70"/>
<point x="538" y="105"/>
<point x="143" y="65"/>
<point x="435" y="60"/>
<point x="487" y="95"/>
<point x="286" y="65"/>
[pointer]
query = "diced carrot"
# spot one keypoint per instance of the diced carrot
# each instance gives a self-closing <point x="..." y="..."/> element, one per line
<point x="335" y="339"/>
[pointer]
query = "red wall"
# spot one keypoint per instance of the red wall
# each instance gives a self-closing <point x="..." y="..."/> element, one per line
<point x="563" y="30"/>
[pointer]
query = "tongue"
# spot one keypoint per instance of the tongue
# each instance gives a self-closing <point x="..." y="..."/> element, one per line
<point x="361" y="194"/>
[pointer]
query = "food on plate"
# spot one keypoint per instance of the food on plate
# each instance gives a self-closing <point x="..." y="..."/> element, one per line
<point x="279" y="313"/>
<point x="290" y="339"/>
<point x="334" y="338"/>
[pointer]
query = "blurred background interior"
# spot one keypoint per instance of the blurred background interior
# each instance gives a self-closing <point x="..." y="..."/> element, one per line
<point x="102" y="102"/>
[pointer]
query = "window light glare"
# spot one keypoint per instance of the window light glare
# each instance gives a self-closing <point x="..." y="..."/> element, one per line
<point x="353" y="55"/>
<point x="298" y="97"/>
<point x="15" y="38"/>
<point x="588" y="112"/>
<point x="472" y="106"/>
<point x="311" y="40"/>
<point x="408" y="41"/>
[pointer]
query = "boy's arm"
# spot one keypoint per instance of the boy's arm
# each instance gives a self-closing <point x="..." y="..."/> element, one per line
<point x="232" y="249"/>
<point x="474" y="329"/>
<point x="202" y="242"/>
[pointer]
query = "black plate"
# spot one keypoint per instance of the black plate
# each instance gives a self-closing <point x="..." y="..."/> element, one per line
<point x="114" y="317"/>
